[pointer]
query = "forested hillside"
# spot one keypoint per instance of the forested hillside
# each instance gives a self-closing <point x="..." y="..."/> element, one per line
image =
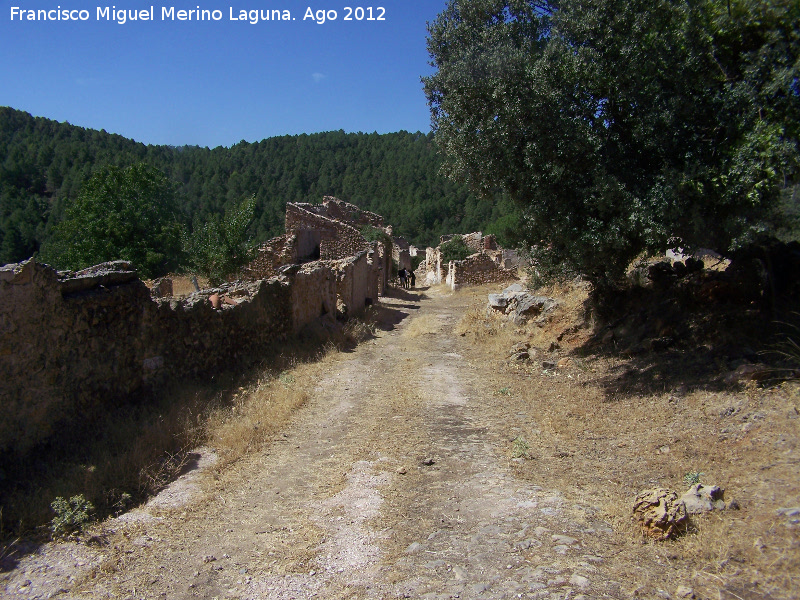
<point x="43" y="165"/>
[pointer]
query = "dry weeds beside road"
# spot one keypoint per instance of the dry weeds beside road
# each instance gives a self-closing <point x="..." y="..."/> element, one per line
<point x="396" y="480"/>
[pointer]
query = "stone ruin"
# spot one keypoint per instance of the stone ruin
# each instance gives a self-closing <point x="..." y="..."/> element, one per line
<point x="329" y="232"/>
<point x="73" y="342"/>
<point x="489" y="264"/>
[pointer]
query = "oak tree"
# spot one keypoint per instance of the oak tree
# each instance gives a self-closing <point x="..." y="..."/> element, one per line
<point x="621" y="126"/>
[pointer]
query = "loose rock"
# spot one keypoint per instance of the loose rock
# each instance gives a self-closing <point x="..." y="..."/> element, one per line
<point x="661" y="513"/>
<point x="703" y="498"/>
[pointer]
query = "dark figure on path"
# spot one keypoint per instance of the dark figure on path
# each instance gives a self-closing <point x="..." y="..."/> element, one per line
<point x="402" y="275"/>
<point x="413" y="279"/>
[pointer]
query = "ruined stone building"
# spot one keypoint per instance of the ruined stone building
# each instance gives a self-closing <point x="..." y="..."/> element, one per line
<point x="329" y="231"/>
<point x="489" y="264"/>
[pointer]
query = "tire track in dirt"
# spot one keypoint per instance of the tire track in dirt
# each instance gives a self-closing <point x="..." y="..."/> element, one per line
<point x="475" y="530"/>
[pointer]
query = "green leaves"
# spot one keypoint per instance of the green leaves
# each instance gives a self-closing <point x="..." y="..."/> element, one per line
<point x="128" y="214"/>
<point x="455" y="249"/>
<point x="221" y="246"/>
<point x="72" y="515"/>
<point x="619" y="125"/>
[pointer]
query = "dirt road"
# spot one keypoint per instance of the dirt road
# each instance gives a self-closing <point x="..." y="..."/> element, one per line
<point x="397" y="479"/>
<point x="393" y="481"/>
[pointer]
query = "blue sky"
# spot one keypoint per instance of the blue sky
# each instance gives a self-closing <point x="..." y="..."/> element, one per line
<point x="214" y="83"/>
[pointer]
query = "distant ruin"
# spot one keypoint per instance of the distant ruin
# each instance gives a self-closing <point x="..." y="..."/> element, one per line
<point x="329" y="232"/>
<point x="489" y="263"/>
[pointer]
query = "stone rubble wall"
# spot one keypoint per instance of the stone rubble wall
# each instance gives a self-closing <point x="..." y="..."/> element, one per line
<point x="511" y="259"/>
<point x="401" y="256"/>
<point x="337" y="240"/>
<point x="71" y="343"/>
<point x="313" y="294"/>
<point x="490" y="263"/>
<point x="271" y="256"/>
<point x="430" y="271"/>
<point x="476" y="270"/>
<point x="474" y="241"/>
<point x="381" y="260"/>
<point x="323" y="232"/>
<point x="356" y="283"/>
<point x="350" y="213"/>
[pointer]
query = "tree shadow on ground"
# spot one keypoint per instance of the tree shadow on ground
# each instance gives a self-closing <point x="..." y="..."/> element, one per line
<point x="387" y="318"/>
<point x="409" y="295"/>
<point x="683" y="338"/>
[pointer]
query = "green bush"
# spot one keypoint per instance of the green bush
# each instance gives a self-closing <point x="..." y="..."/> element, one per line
<point x="376" y="234"/>
<point x="219" y="247"/>
<point x="455" y="249"/>
<point x="606" y="155"/>
<point x="129" y="214"/>
<point x="71" y="515"/>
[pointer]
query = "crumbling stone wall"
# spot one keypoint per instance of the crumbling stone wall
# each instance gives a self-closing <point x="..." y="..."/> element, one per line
<point x="349" y="213"/>
<point x="337" y="240"/>
<point x="356" y="283"/>
<point x="313" y="293"/>
<point x="271" y="256"/>
<point x="380" y="258"/>
<point x="510" y="259"/>
<point x="52" y="344"/>
<point x="401" y="253"/>
<point x="476" y="270"/>
<point x="430" y="271"/>
<point x="474" y="241"/>
<point x="489" y="264"/>
<point x="71" y="343"/>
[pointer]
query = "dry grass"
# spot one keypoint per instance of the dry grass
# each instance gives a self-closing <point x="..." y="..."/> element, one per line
<point x="590" y="434"/>
<point x="257" y="412"/>
<point x="132" y="453"/>
<point x="135" y="450"/>
<point x="423" y="325"/>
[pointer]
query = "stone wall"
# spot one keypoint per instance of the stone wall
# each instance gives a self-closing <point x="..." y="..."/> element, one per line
<point x="70" y="343"/>
<point x="401" y="253"/>
<point x="490" y="264"/>
<point x="356" y="283"/>
<point x="381" y="260"/>
<point x="430" y="271"/>
<point x="327" y="231"/>
<point x="474" y="241"/>
<point x="271" y="256"/>
<point x="337" y="240"/>
<point x="349" y="213"/>
<point x="313" y="293"/>
<point x="476" y="270"/>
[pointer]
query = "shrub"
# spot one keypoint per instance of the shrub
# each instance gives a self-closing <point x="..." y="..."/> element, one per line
<point x="71" y="515"/>
<point x="376" y="234"/>
<point x="455" y="249"/>
<point x="520" y="448"/>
